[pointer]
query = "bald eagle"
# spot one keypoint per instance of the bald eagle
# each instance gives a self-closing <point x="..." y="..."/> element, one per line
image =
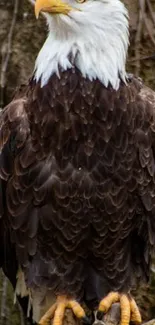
<point x="77" y="168"/>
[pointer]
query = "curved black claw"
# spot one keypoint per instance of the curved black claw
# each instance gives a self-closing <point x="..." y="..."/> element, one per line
<point x="99" y="315"/>
<point x="86" y="320"/>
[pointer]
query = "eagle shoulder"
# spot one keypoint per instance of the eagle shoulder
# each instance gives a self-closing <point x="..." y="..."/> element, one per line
<point x="148" y="95"/>
<point x="14" y="130"/>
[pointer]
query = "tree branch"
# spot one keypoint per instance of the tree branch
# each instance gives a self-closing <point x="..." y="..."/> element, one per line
<point x="150" y="11"/>
<point x="6" y="52"/>
<point x="3" y="300"/>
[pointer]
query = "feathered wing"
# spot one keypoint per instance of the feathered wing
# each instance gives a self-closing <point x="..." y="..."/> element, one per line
<point x="145" y="138"/>
<point x="129" y="231"/>
<point x="31" y="130"/>
<point x="11" y="123"/>
<point x="1" y="224"/>
<point x="14" y="132"/>
<point x="3" y="218"/>
<point x="1" y="199"/>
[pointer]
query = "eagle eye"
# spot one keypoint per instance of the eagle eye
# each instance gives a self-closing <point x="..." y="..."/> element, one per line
<point x="80" y="1"/>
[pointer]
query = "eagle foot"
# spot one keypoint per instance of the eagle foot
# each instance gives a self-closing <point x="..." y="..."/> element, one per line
<point x="57" y="311"/>
<point x="129" y="309"/>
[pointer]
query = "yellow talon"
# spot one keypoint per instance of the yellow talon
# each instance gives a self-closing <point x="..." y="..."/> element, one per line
<point x="77" y="309"/>
<point x="106" y="302"/>
<point x="57" y="311"/>
<point x="45" y="319"/>
<point x="135" y="313"/>
<point x="125" y="310"/>
<point x="129" y="308"/>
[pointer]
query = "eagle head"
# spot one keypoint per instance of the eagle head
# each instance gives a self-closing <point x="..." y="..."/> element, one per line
<point x="91" y="35"/>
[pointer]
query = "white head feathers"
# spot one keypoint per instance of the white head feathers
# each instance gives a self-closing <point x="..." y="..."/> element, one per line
<point x="96" y="38"/>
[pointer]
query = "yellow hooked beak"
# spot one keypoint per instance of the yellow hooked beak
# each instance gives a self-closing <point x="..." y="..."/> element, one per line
<point x="52" y="6"/>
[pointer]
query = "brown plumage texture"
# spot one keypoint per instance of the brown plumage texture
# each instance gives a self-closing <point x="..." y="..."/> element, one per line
<point x="78" y="163"/>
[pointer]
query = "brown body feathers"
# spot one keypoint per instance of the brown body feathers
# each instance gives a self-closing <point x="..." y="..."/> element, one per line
<point x="78" y="164"/>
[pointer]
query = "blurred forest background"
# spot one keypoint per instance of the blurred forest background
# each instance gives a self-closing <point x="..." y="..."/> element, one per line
<point x="21" y="37"/>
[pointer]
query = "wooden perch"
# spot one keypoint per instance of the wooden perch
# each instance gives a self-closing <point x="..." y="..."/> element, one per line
<point x="112" y="317"/>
